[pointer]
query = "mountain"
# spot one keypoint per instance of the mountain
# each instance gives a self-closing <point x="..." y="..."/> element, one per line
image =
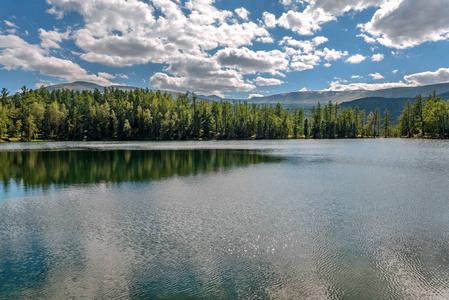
<point x="394" y="105"/>
<point x="394" y="98"/>
<point x="311" y="98"/>
<point x="76" y="86"/>
<point x="85" y="86"/>
<point x="88" y="86"/>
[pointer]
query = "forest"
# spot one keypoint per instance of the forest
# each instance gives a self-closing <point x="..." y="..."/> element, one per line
<point x="141" y="114"/>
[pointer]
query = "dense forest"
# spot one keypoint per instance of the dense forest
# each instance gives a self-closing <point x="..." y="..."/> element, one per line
<point x="141" y="114"/>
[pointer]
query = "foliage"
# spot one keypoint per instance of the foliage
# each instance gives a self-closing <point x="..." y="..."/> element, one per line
<point x="142" y="114"/>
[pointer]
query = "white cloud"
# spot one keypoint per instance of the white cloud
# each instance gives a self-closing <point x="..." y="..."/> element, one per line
<point x="356" y="59"/>
<point x="265" y="39"/>
<point x="304" y="89"/>
<point x="337" y="86"/>
<point x="331" y="54"/>
<point x="376" y="76"/>
<point x="285" y="2"/>
<point x="306" y="22"/>
<point x="17" y="53"/>
<point x="367" y="39"/>
<point x="254" y="96"/>
<point x="269" y="19"/>
<point x="327" y="65"/>
<point x="356" y="76"/>
<point x="242" y="12"/>
<point x="268" y="81"/>
<point x="251" y="62"/>
<point x="122" y="76"/>
<point x="377" y="57"/>
<point x="318" y="40"/>
<point x="106" y="75"/>
<point x="306" y="56"/>
<point x="203" y="75"/>
<point x="10" y="24"/>
<point x="403" y="24"/>
<point x="340" y="7"/>
<point x="52" y="38"/>
<point x="423" y="78"/>
<point x="122" y="33"/>
<point x="394" y="71"/>
<point x="319" y="12"/>
<point x="300" y="66"/>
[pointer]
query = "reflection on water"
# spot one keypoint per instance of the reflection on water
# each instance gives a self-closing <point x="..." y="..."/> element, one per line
<point x="362" y="219"/>
<point x="43" y="168"/>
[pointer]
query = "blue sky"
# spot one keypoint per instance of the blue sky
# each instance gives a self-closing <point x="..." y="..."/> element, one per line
<point x="229" y="48"/>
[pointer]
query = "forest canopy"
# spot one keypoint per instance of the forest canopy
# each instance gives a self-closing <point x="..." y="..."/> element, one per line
<point x="142" y="114"/>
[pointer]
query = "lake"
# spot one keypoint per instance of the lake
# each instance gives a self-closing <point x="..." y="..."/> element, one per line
<point x="309" y="219"/>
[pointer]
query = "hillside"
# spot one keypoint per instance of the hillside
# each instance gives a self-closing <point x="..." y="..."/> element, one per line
<point x="394" y="105"/>
<point x="88" y="86"/>
<point x="394" y="99"/>
<point x="310" y="98"/>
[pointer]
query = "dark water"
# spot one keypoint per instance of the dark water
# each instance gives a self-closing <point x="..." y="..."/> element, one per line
<point x="352" y="219"/>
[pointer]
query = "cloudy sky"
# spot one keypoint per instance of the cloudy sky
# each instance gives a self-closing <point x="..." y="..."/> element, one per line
<point x="228" y="48"/>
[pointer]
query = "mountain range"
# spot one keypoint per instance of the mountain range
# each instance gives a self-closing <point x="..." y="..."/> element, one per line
<point x="393" y="99"/>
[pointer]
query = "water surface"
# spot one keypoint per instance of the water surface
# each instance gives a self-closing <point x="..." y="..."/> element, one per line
<point x="311" y="219"/>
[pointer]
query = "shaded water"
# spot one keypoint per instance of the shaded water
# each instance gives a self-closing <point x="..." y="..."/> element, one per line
<point x="353" y="219"/>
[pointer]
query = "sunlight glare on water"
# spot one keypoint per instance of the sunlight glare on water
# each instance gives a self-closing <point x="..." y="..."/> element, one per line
<point x="310" y="219"/>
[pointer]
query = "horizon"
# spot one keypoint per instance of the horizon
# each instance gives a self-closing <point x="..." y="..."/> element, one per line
<point x="225" y="48"/>
<point x="285" y="93"/>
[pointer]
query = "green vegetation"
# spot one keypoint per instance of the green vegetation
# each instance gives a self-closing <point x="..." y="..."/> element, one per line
<point x="145" y="115"/>
<point x="44" y="168"/>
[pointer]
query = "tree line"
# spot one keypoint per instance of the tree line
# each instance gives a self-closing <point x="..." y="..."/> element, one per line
<point x="142" y="114"/>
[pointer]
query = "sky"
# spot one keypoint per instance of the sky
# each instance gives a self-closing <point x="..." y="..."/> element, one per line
<point x="229" y="48"/>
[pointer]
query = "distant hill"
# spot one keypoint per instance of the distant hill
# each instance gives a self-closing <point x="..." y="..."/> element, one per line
<point x="88" y="86"/>
<point x="394" y="105"/>
<point x="311" y="98"/>
<point x="394" y="99"/>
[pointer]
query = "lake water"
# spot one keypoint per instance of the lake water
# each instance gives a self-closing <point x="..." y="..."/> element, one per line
<point x="309" y="219"/>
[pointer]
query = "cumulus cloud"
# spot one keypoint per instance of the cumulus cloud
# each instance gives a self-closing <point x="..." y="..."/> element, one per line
<point x="338" y="86"/>
<point x="203" y="75"/>
<point x="52" y="38"/>
<point x="268" y="81"/>
<point x="340" y="7"/>
<point x="306" y="46"/>
<point x="251" y="62"/>
<point x="17" y="53"/>
<point x="242" y="12"/>
<point x="106" y="75"/>
<point x="367" y="39"/>
<point x="269" y="19"/>
<point x="124" y="33"/>
<point x="301" y="66"/>
<point x="423" y="78"/>
<point x="356" y="76"/>
<point x="306" y="22"/>
<point x="394" y="71"/>
<point x="377" y="57"/>
<point x="306" y="56"/>
<point x="254" y="96"/>
<point x="319" y="12"/>
<point x="327" y="65"/>
<point x="403" y="24"/>
<point x="331" y="54"/>
<point x="376" y="76"/>
<point x="355" y="59"/>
